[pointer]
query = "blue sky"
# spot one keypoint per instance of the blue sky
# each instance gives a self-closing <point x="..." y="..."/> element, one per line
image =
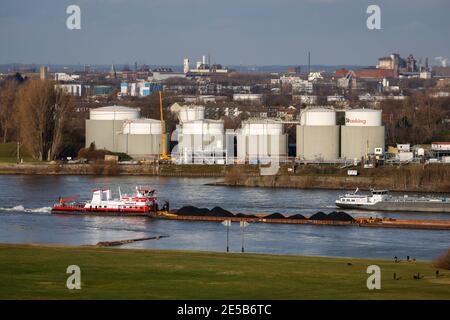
<point x="262" y="32"/>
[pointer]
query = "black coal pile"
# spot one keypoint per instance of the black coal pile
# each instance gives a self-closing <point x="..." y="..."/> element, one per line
<point x="319" y="216"/>
<point x="340" y="216"/>
<point x="243" y="215"/>
<point x="275" y="215"/>
<point x="192" y="211"/>
<point x="220" y="212"/>
<point x="297" y="216"/>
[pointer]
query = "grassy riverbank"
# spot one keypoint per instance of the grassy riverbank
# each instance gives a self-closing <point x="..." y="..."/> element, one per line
<point x="39" y="272"/>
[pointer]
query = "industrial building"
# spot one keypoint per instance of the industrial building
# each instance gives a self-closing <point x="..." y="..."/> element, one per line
<point x="318" y="135"/>
<point x="362" y="134"/>
<point x="120" y="129"/>
<point x="260" y="140"/>
<point x="203" y="67"/>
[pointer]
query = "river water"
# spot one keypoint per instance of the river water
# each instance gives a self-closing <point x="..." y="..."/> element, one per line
<point x="25" y="203"/>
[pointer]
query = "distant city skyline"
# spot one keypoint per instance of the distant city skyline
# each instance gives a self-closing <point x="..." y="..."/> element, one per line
<point x="244" y="32"/>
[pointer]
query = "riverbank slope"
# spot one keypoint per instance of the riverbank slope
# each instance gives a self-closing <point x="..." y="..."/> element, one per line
<point x="412" y="177"/>
<point x="39" y="272"/>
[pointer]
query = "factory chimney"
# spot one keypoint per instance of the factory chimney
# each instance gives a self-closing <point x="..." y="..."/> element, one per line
<point x="186" y="65"/>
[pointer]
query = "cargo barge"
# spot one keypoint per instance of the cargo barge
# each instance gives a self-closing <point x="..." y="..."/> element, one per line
<point x="357" y="222"/>
<point x="381" y="200"/>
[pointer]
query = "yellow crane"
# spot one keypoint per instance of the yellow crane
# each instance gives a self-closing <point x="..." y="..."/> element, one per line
<point x="164" y="156"/>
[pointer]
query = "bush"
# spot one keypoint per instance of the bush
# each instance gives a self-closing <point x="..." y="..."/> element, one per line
<point x="93" y="154"/>
<point x="443" y="261"/>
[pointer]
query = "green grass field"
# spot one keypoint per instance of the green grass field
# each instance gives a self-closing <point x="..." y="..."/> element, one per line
<point x="39" y="272"/>
<point x="8" y="153"/>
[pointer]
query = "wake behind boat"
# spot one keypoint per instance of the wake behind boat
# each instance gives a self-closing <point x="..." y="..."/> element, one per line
<point x="141" y="202"/>
<point x="381" y="200"/>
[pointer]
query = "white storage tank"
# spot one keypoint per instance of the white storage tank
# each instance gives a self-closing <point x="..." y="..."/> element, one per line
<point x="259" y="128"/>
<point x="318" y="117"/>
<point x="317" y="135"/>
<point x="362" y="134"/>
<point x="142" y="126"/>
<point x="203" y="127"/>
<point x="114" y="113"/>
<point x="191" y="113"/>
<point x="259" y="140"/>
<point x="363" y="118"/>
<point x="201" y="141"/>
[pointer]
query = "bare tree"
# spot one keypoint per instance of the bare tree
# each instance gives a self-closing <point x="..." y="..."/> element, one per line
<point x="42" y="113"/>
<point x="7" y="99"/>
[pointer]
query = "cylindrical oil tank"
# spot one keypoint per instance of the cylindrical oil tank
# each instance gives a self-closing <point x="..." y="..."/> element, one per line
<point x="262" y="128"/>
<point x="260" y="140"/>
<point x="318" y="142"/>
<point x="114" y="113"/>
<point x="142" y="126"/>
<point x="201" y="141"/>
<point x="318" y="117"/>
<point x="191" y="113"/>
<point x="362" y="133"/>
<point x="203" y="127"/>
<point x="363" y="118"/>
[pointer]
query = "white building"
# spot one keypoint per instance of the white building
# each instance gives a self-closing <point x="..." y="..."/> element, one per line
<point x="73" y="89"/>
<point x="248" y="97"/>
<point x="308" y="99"/>
<point x="62" y="76"/>
<point x="335" y="98"/>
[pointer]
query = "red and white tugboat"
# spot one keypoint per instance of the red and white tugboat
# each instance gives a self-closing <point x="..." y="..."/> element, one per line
<point x="141" y="202"/>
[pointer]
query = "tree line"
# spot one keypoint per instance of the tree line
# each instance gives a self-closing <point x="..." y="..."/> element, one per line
<point x="35" y="114"/>
<point x="420" y="119"/>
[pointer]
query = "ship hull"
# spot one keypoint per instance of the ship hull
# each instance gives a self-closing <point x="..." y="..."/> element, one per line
<point x="145" y="211"/>
<point x="400" y="206"/>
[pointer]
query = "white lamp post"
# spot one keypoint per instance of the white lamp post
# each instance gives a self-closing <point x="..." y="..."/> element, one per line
<point x="227" y="224"/>
<point x="243" y="224"/>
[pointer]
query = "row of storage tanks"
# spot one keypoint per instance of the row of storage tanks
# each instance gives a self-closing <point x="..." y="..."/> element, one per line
<point x="320" y="138"/>
<point x="121" y="129"/>
<point x="200" y="140"/>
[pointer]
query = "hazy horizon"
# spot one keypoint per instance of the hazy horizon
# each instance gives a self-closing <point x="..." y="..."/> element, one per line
<point x="245" y="32"/>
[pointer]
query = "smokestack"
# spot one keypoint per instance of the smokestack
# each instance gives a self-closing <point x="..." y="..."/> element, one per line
<point x="309" y="62"/>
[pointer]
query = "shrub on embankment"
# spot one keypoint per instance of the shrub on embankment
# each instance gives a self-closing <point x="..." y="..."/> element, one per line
<point x="443" y="261"/>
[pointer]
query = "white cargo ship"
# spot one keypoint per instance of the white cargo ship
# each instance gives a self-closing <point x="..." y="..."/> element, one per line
<point x="381" y="200"/>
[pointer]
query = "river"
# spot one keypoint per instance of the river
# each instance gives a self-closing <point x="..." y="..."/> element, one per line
<point x="25" y="203"/>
